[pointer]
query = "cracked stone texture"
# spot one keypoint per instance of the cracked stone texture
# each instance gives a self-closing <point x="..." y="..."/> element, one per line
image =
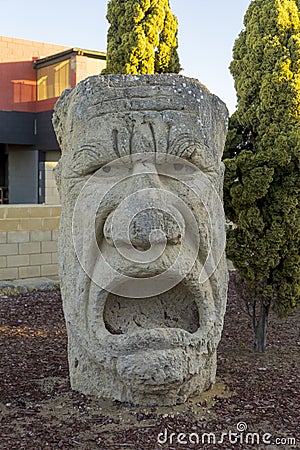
<point x="139" y="154"/>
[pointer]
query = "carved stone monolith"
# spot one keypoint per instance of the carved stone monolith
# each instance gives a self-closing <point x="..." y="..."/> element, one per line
<point x="142" y="238"/>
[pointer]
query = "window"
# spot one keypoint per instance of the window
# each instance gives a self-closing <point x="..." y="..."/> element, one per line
<point x="52" y="80"/>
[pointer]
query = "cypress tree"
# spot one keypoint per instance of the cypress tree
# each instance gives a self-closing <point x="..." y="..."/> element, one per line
<point x="262" y="178"/>
<point x="142" y="37"/>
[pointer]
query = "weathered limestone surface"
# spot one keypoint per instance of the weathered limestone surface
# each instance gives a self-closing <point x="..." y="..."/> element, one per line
<point x="142" y="238"/>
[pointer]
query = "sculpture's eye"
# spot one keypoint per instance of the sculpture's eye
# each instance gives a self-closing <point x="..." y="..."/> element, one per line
<point x="115" y="169"/>
<point x="178" y="166"/>
<point x="176" y="169"/>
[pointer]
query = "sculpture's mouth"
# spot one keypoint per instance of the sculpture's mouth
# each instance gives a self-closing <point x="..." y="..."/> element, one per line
<point x="174" y="309"/>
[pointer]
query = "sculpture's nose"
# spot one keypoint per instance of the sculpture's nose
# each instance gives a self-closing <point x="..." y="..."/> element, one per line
<point x="147" y="223"/>
<point x="144" y="214"/>
<point x="142" y="225"/>
<point x="144" y="175"/>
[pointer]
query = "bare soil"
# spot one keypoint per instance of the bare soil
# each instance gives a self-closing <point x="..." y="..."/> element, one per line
<point x="254" y="393"/>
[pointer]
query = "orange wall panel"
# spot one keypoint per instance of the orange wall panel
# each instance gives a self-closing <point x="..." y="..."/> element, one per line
<point x="17" y="86"/>
<point x="17" y="76"/>
<point x="45" y="105"/>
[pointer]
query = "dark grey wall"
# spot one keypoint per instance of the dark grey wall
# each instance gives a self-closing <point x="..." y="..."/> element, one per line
<point x="17" y="128"/>
<point x="22" y="175"/>
<point x="3" y="166"/>
<point x="46" y="139"/>
<point x="25" y="128"/>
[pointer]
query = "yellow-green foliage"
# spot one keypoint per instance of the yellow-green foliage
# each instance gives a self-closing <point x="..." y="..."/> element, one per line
<point x="142" y="38"/>
<point x="262" y="158"/>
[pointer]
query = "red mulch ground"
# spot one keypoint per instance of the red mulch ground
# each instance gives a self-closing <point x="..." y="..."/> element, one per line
<point x="38" y="410"/>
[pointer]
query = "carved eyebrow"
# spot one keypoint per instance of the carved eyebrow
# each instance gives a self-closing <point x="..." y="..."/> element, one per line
<point x="91" y="149"/>
<point x="184" y="145"/>
<point x="87" y="147"/>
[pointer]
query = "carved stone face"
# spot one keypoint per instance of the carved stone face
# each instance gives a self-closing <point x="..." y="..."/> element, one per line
<point x="142" y="265"/>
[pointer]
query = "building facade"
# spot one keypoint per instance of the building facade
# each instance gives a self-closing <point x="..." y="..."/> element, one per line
<point x="32" y="77"/>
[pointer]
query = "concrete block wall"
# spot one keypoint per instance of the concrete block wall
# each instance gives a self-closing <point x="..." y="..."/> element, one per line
<point x="48" y="192"/>
<point x="51" y="192"/>
<point x="28" y="241"/>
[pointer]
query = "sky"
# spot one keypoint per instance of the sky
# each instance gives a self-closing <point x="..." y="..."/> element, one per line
<point x="206" y="32"/>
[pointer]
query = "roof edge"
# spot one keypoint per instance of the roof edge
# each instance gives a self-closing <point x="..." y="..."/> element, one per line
<point x="62" y="56"/>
